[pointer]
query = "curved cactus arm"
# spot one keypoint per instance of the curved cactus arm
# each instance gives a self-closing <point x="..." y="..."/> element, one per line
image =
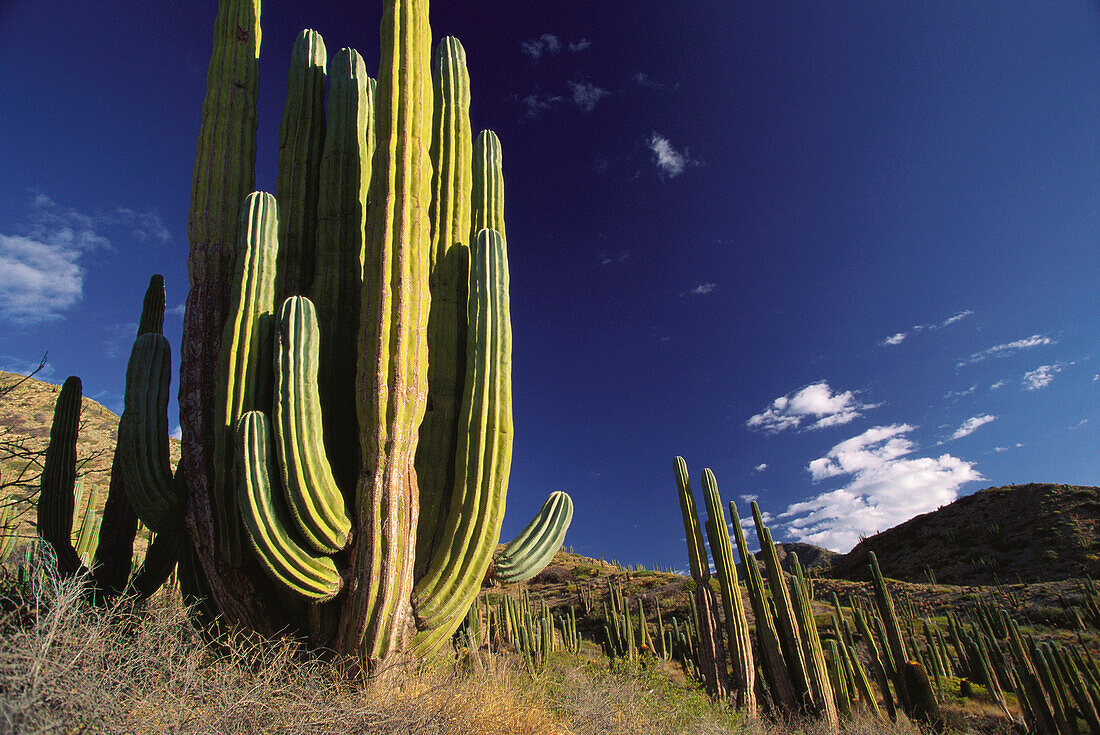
<point x="311" y="490"/>
<point x="301" y="143"/>
<point x="160" y="560"/>
<point x="143" y="434"/>
<point x="483" y="456"/>
<point x="245" y="360"/>
<point x="310" y="575"/>
<point x="56" y="500"/>
<point x="530" y="551"/>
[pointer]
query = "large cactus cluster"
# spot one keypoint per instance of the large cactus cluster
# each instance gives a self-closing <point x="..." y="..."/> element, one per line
<point x="345" y="376"/>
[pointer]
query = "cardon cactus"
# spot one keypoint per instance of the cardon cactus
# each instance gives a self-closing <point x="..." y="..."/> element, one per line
<point x="528" y="553"/>
<point x="357" y="441"/>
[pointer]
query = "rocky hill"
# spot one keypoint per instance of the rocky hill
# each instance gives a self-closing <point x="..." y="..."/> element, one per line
<point x="1035" y="532"/>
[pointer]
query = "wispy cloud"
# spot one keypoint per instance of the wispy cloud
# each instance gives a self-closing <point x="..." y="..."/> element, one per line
<point x="998" y="384"/>
<point x="760" y="467"/>
<point x="701" y="290"/>
<point x="40" y="264"/>
<point x="1079" y="424"/>
<point x="815" y="404"/>
<point x="971" y="425"/>
<point x="548" y="44"/>
<point x="884" y="486"/>
<point x="536" y="102"/>
<point x="960" y="393"/>
<point x="645" y="81"/>
<point x="586" y="95"/>
<point x="1041" y="376"/>
<point x="1006" y="449"/>
<point x="669" y="160"/>
<point x="898" y="338"/>
<point x="1006" y="349"/>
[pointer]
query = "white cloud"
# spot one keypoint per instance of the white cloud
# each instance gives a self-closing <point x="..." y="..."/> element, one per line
<point x="1041" y="376"/>
<point x="897" y="339"/>
<point x="38" y="280"/>
<point x="701" y="290"/>
<point x="547" y="43"/>
<point x="586" y="95"/>
<point x="759" y="468"/>
<point x="580" y="45"/>
<point x="178" y="310"/>
<point x="816" y="403"/>
<point x="956" y="318"/>
<point x="1079" y="424"/>
<point x="884" y="487"/>
<point x="971" y="425"/>
<point x="671" y="161"/>
<point x="959" y="393"/>
<point x="749" y="497"/>
<point x="998" y="384"/>
<point x="176" y="433"/>
<point x="40" y="271"/>
<point x="1006" y="349"/>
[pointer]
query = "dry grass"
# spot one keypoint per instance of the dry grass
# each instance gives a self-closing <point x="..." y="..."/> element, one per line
<point x="66" y="667"/>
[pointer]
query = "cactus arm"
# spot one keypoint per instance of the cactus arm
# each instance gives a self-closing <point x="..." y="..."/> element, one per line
<point x="301" y="142"/>
<point x="311" y="490"/>
<point x="737" y="625"/>
<point x="448" y="281"/>
<point x="245" y="360"/>
<point x="56" y="500"/>
<point x="143" y="434"/>
<point x="115" y="550"/>
<point x="391" y="382"/>
<point x="336" y="290"/>
<point x="310" y="575"/>
<point x="824" y="697"/>
<point x="697" y="554"/>
<point x="483" y="455"/>
<point x="487" y="207"/>
<point x="530" y="552"/>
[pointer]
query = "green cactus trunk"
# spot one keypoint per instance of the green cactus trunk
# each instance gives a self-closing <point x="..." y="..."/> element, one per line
<point x="392" y="372"/>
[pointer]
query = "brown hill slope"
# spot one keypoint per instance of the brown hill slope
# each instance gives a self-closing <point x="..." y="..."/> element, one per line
<point x="1035" y="532"/>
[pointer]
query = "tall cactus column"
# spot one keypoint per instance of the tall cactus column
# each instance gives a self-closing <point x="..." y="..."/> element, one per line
<point x="224" y="174"/>
<point x="392" y="381"/>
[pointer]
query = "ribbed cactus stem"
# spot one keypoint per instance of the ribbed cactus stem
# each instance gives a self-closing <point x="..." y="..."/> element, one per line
<point x="143" y="434"/>
<point x="301" y="143"/>
<point x="224" y="173"/>
<point x="56" y="499"/>
<point x="392" y="375"/>
<point x="737" y="626"/>
<point x="311" y="490"/>
<point x="449" y="261"/>
<point x="529" y="552"/>
<point x="340" y="252"/>
<point x="892" y="628"/>
<point x="245" y="360"/>
<point x="822" y="693"/>
<point x="697" y="554"/>
<point x="487" y="209"/>
<point x="483" y="455"/>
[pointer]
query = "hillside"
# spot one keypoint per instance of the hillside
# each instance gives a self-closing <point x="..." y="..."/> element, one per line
<point x="25" y="416"/>
<point x="1035" y="532"/>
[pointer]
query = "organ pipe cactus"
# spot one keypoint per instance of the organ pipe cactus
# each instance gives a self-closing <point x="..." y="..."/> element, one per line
<point x="528" y="553"/>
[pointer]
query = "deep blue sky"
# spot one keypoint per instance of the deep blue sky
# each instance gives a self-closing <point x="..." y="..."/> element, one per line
<point x="872" y="226"/>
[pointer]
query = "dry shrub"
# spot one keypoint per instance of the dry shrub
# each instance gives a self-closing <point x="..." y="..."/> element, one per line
<point x="68" y="667"/>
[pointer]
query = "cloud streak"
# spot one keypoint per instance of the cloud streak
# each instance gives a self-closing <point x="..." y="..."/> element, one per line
<point x="898" y="338"/>
<point x="971" y="425"/>
<point x="1041" y="376"/>
<point x="670" y="161"/>
<point x="1007" y="349"/>
<point x="884" y="486"/>
<point x="816" y="405"/>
